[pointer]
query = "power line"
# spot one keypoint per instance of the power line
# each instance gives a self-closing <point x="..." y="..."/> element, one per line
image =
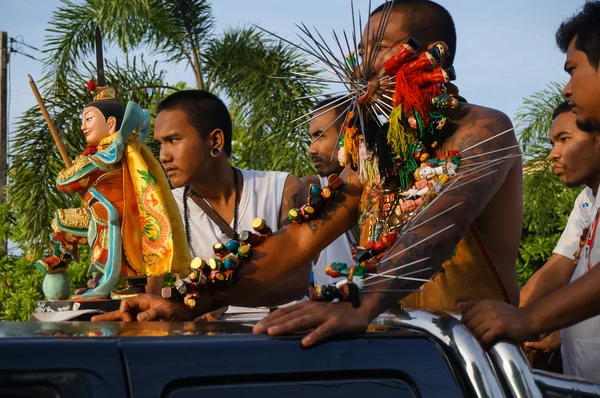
<point x="18" y="49"/>
<point x="25" y="54"/>
<point x="19" y="92"/>
<point x="13" y="40"/>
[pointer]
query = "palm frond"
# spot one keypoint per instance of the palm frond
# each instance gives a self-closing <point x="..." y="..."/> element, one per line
<point x="534" y="117"/>
<point x="70" y="39"/>
<point x="243" y="64"/>
<point x="178" y="29"/>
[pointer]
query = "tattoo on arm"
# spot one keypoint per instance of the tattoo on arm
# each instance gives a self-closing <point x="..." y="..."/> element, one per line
<point x="284" y="220"/>
<point x="328" y="210"/>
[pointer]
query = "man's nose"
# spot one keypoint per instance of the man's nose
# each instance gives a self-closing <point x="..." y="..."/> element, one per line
<point x="566" y="92"/>
<point x="164" y="156"/>
<point x="554" y="154"/>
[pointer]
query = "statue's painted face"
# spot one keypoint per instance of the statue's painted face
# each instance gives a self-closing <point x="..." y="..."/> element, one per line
<point x="451" y="169"/>
<point x="95" y="126"/>
<point x="426" y="172"/>
<point x="364" y="153"/>
<point x="341" y="156"/>
<point x="408" y="206"/>
<point x="421" y="184"/>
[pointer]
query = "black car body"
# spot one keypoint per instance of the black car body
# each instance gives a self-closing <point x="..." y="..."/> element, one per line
<point x="404" y="354"/>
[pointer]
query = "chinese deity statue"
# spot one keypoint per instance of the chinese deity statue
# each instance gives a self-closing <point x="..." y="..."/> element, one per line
<point x="129" y="218"/>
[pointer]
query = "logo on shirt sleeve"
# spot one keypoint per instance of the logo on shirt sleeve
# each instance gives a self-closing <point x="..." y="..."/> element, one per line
<point x="590" y="241"/>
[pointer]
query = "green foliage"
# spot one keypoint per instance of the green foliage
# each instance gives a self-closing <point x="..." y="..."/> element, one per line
<point x="21" y="285"/>
<point x="20" y="288"/>
<point x="534" y="118"/>
<point x="178" y="30"/>
<point x="547" y="203"/>
<point x="70" y="40"/>
<point x="20" y="281"/>
<point x="246" y="63"/>
<point x="542" y="225"/>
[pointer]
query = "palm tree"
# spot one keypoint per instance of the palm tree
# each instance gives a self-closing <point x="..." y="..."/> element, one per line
<point x="237" y="64"/>
<point x="547" y="203"/>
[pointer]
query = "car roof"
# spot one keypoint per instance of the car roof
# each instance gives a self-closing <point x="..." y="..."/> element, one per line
<point x="40" y="330"/>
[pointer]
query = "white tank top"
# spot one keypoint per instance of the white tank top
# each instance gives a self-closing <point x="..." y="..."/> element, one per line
<point x="339" y="251"/>
<point x="261" y="197"/>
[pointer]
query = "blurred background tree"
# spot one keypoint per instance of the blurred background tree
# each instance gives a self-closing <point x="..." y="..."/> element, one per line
<point x="547" y="203"/>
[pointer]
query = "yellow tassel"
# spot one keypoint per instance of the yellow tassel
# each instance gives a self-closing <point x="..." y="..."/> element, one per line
<point x="398" y="137"/>
<point x="369" y="171"/>
<point x="350" y="140"/>
<point x="351" y="144"/>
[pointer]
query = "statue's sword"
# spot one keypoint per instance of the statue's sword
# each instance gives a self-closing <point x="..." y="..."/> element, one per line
<point x="99" y="58"/>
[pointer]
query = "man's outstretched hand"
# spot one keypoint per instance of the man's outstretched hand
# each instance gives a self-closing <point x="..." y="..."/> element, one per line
<point x="147" y="307"/>
<point x="327" y="319"/>
<point x="549" y="344"/>
<point x="492" y="320"/>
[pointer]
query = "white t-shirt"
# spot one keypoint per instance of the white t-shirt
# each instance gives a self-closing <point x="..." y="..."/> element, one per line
<point x="581" y="342"/>
<point x="568" y="243"/>
<point x="339" y="251"/>
<point x="261" y="197"/>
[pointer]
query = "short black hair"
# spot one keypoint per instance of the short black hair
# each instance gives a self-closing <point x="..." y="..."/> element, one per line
<point x="427" y="22"/>
<point x="338" y="107"/>
<point x="563" y="107"/>
<point x="586" y="26"/>
<point x="205" y="111"/>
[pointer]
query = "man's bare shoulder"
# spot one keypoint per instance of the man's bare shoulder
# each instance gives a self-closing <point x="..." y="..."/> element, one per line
<point x="475" y="123"/>
<point x="307" y="180"/>
<point x="484" y="122"/>
<point x="482" y="113"/>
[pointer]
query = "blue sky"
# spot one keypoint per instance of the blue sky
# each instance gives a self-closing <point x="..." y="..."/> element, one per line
<point x="506" y="49"/>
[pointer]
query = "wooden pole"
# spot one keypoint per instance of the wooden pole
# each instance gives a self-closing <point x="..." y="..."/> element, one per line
<point x="4" y="54"/>
<point x="3" y="112"/>
<point x="59" y="144"/>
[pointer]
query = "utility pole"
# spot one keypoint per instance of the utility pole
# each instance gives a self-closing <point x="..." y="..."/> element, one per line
<point x="4" y="54"/>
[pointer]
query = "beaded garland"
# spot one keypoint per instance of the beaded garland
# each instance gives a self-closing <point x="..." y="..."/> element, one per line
<point x="403" y="168"/>
<point x="317" y="197"/>
<point x="221" y="270"/>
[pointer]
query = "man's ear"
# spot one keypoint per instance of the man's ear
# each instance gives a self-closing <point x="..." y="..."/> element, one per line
<point x="111" y="122"/>
<point x="217" y="139"/>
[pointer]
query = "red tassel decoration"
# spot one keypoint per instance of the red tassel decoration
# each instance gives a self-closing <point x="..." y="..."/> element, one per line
<point x="406" y="52"/>
<point x="90" y="150"/>
<point x="91" y="86"/>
